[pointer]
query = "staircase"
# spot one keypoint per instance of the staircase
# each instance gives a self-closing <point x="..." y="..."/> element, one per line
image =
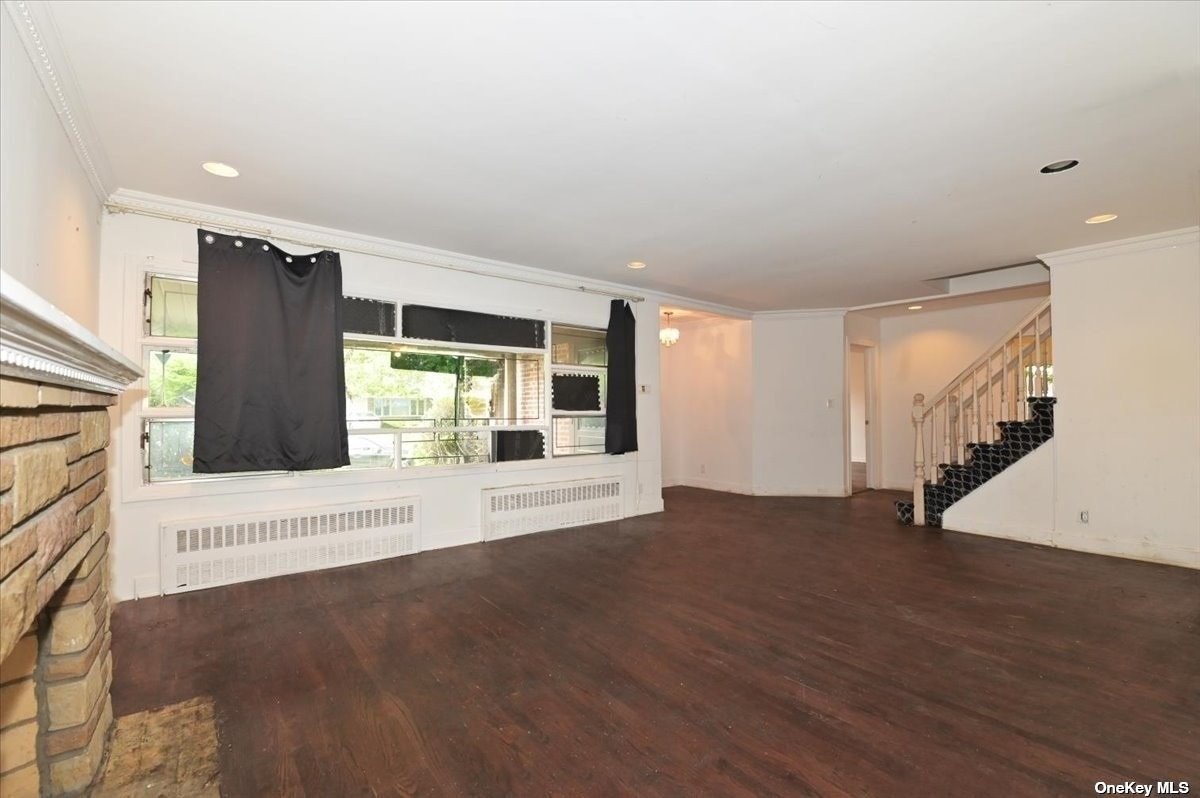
<point x="992" y="414"/>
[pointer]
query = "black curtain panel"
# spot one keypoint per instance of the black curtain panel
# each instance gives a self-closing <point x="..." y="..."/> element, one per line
<point x="271" y="383"/>
<point x="620" y="430"/>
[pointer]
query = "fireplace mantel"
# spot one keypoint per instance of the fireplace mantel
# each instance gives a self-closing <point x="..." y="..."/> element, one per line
<point x="40" y="343"/>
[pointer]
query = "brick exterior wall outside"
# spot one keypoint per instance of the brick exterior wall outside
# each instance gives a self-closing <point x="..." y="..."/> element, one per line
<point x="55" y="665"/>
<point x="530" y="383"/>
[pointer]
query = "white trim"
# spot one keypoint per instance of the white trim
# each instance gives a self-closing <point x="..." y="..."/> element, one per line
<point x="1125" y="246"/>
<point x="816" y="313"/>
<point x="40" y="342"/>
<point x="127" y="201"/>
<point x="39" y="34"/>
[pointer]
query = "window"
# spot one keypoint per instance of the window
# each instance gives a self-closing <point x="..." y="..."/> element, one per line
<point x="408" y="404"/>
<point x="169" y="362"/>
<point x="579" y="379"/>
<point x="442" y="402"/>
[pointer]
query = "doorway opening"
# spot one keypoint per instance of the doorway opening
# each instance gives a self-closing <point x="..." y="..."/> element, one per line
<point x="861" y="389"/>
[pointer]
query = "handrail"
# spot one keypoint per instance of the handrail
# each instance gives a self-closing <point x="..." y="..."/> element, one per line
<point x="962" y="413"/>
<point x="988" y="354"/>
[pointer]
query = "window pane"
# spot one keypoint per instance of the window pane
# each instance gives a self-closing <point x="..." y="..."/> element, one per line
<point x="582" y="392"/>
<point x="368" y="316"/>
<point x="172" y="307"/>
<point x="170" y="447"/>
<point x="445" y="448"/>
<point x="170" y="378"/>
<point x="426" y="388"/>
<point x="372" y="451"/>
<point x="468" y="327"/>
<point x="578" y="346"/>
<point x="518" y="444"/>
<point x="580" y="435"/>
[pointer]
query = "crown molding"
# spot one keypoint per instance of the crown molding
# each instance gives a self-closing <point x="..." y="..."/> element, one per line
<point x="1125" y="246"/>
<point x="39" y="34"/>
<point x="41" y="343"/>
<point x="226" y="219"/>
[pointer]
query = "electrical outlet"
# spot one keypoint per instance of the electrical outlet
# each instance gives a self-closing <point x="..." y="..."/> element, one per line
<point x="1083" y="516"/>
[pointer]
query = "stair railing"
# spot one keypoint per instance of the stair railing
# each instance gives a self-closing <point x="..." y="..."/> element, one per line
<point x="990" y="390"/>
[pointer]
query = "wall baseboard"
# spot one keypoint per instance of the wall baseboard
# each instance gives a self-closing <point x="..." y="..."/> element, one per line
<point x="715" y="484"/>
<point x="1145" y="551"/>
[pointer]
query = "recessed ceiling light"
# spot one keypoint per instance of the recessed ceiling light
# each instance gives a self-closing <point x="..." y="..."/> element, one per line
<point x="219" y="169"/>
<point x="1100" y="218"/>
<point x="1059" y="166"/>
<point x="915" y="307"/>
<point x="636" y="264"/>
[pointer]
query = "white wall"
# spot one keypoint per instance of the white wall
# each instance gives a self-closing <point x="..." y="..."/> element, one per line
<point x="1127" y="376"/>
<point x="922" y="351"/>
<point x="706" y="406"/>
<point x="49" y="214"/>
<point x="856" y="379"/>
<point x="799" y="424"/>
<point x="1017" y="503"/>
<point x="450" y="496"/>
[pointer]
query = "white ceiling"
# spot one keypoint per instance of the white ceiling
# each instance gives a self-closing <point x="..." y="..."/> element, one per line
<point x="764" y="156"/>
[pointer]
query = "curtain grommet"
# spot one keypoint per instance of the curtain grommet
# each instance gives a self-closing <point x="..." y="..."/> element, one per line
<point x="208" y="239"/>
<point x="237" y="243"/>
<point x="266" y="247"/>
<point x="288" y="259"/>
<point x="312" y="259"/>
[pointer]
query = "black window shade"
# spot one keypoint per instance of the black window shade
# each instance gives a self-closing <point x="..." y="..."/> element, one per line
<point x="518" y="444"/>
<point x="368" y="316"/>
<point x="575" y="392"/>
<point x="467" y="327"/>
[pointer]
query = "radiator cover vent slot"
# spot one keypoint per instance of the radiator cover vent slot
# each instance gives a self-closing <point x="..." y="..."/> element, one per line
<point x="208" y="552"/>
<point x="521" y="509"/>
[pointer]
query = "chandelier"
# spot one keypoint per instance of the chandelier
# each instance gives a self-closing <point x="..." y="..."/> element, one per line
<point x="668" y="336"/>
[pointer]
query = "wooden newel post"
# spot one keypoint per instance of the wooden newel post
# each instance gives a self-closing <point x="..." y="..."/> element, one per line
<point x="918" y="417"/>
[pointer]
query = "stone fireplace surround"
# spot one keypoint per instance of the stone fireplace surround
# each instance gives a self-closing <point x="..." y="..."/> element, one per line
<point x="56" y="381"/>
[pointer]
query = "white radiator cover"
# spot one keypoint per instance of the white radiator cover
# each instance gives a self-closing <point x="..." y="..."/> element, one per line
<point x="200" y="553"/>
<point x="521" y="509"/>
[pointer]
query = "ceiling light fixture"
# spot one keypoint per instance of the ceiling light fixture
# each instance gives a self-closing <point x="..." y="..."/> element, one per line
<point x="636" y="264"/>
<point x="219" y="169"/>
<point x="915" y="307"/>
<point x="1100" y="218"/>
<point x="668" y="336"/>
<point x="1059" y="166"/>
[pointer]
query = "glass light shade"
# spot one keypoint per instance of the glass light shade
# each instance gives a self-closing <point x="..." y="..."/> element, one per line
<point x="668" y="336"/>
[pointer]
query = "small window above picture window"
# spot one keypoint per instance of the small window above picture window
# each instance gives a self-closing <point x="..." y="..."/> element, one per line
<point x="170" y="307"/>
<point x="469" y="327"/>
<point x="578" y="346"/>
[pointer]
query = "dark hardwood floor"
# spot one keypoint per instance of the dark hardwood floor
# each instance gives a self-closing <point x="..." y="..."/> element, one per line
<point x="730" y="646"/>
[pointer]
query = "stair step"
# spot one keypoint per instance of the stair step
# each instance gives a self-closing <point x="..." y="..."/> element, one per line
<point x="984" y="460"/>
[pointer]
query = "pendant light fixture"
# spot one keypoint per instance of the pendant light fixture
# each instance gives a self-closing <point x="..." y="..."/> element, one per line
<point x="668" y="336"/>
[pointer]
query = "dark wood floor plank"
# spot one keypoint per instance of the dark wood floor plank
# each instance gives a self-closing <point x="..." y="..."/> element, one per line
<point x="732" y="645"/>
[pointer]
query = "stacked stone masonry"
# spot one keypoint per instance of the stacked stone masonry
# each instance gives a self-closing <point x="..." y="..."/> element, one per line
<point x="55" y="665"/>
